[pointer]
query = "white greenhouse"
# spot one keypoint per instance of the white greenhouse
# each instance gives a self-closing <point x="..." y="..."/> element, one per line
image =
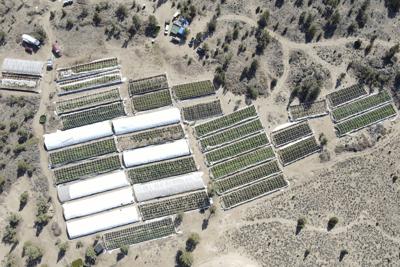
<point x="97" y="203"/>
<point x="155" y="153"/>
<point x="102" y="221"/>
<point x="92" y="186"/>
<point x="20" y="66"/>
<point x="146" y="121"/>
<point x="169" y="186"/>
<point x="77" y="135"/>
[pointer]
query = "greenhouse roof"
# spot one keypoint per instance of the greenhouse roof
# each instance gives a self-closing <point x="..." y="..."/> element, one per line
<point x="20" y="66"/>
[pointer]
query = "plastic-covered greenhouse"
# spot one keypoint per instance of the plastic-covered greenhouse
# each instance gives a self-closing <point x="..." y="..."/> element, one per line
<point x="102" y="221"/>
<point x="169" y="186"/>
<point x="77" y="135"/>
<point x="98" y="203"/>
<point x="156" y="153"/>
<point x="146" y="121"/>
<point x="20" y="66"/>
<point x="92" y="186"/>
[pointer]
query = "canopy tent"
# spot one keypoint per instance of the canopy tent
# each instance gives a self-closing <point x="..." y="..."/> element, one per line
<point x="20" y="66"/>
<point x="146" y="121"/>
<point x="169" y="186"/>
<point x="77" y="135"/>
<point x="92" y="186"/>
<point x="98" y="203"/>
<point x="102" y="221"/>
<point x="156" y="153"/>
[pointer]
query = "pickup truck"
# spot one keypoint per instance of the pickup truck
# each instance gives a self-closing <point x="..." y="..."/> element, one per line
<point x="166" y="28"/>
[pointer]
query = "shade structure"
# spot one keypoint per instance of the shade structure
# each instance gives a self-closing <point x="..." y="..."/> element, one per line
<point x="146" y="121"/>
<point x="92" y="186"/>
<point x="156" y="153"/>
<point x="97" y="203"/>
<point x="102" y="221"/>
<point x="77" y="135"/>
<point x="169" y="186"/>
<point x="20" y="66"/>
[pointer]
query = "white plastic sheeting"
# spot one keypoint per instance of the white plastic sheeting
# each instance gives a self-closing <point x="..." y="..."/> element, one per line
<point x="169" y="186"/>
<point x="77" y="135"/>
<point x="146" y="121"/>
<point x="92" y="186"/>
<point x="98" y="203"/>
<point x="156" y="153"/>
<point x="102" y="221"/>
<point x="20" y="66"/>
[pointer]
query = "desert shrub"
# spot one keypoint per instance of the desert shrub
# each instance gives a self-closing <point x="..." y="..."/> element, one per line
<point x="40" y="34"/>
<point x="301" y="223"/>
<point x="90" y="255"/>
<point x="2" y="182"/>
<point x="121" y="12"/>
<point x="42" y="218"/>
<point x="393" y="5"/>
<point x="362" y="16"/>
<point x="357" y="44"/>
<point x="11" y="261"/>
<point x="136" y="25"/>
<point x="332" y="222"/>
<point x="69" y="24"/>
<point x="263" y="39"/>
<point x="392" y="51"/>
<point x="62" y="248"/>
<point x="323" y="140"/>
<point x="32" y="252"/>
<point x="23" y="135"/>
<point x="342" y="254"/>
<point x="192" y="242"/>
<point x="179" y="218"/>
<point x="14" y="219"/>
<point x="219" y="77"/>
<point x="77" y="263"/>
<point x="96" y="19"/>
<point x="79" y="244"/>
<point x="13" y="126"/>
<point x="23" y="199"/>
<point x="2" y="37"/>
<point x="10" y="235"/>
<point x="28" y="115"/>
<point x="252" y="92"/>
<point x="184" y="259"/>
<point x="152" y="27"/>
<point x="212" y="25"/>
<point x="263" y="20"/>
<point x="2" y="126"/>
<point x="124" y="250"/>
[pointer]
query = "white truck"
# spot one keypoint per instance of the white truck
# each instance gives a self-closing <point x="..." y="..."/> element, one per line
<point x="30" y="40"/>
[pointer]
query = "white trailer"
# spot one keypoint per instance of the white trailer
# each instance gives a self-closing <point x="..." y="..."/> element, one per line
<point x="30" y="40"/>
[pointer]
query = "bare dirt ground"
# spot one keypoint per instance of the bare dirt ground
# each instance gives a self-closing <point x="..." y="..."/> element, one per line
<point x="358" y="184"/>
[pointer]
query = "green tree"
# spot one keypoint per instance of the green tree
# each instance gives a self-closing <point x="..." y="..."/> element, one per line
<point x="32" y="252"/>
<point x="393" y="5"/>
<point x="90" y="255"/>
<point x="263" y="39"/>
<point x="2" y="37"/>
<point x="212" y="25"/>
<point x="152" y="26"/>
<point x="96" y="19"/>
<point x="124" y="250"/>
<point x="332" y="223"/>
<point x="185" y="259"/>
<point x="14" y="219"/>
<point x="263" y="20"/>
<point x="121" y="12"/>
<point x="192" y="242"/>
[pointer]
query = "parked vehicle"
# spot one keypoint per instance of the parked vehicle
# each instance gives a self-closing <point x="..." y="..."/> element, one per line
<point x="166" y="28"/>
<point x="191" y="42"/>
<point x="56" y="49"/>
<point x="50" y="63"/>
<point x="30" y="40"/>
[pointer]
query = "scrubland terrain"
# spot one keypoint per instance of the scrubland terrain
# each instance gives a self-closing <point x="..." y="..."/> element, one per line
<point x="269" y="53"/>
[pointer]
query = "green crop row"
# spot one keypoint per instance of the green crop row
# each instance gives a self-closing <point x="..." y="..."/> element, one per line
<point x="242" y="162"/>
<point x="88" y="101"/>
<point x="291" y="133"/>
<point x="191" y="90"/>
<point x="202" y="111"/>
<point x="96" y="82"/>
<point x="152" y="100"/>
<point x="231" y="134"/>
<point x="148" y="85"/>
<point x="89" y="116"/>
<point x="161" y="170"/>
<point x="347" y="94"/>
<point x="247" y="177"/>
<point x="253" y="191"/>
<point x="225" y="121"/>
<point x="361" y="105"/>
<point x="82" y="152"/>
<point x="365" y="119"/>
<point x="90" y="168"/>
<point x="298" y="112"/>
<point x="298" y="150"/>
<point x="100" y="64"/>
<point x="237" y="148"/>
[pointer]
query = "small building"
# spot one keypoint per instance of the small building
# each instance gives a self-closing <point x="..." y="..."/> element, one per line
<point x="98" y="248"/>
<point x="30" y="40"/>
<point x="22" y="67"/>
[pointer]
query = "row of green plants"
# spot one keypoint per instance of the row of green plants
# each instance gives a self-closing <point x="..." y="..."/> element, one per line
<point x="236" y="148"/>
<point x="345" y="95"/>
<point x="366" y="119"/>
<point x="192" y="90"/>
<point x="88" y="84"/>
<point x="298" y="150"/>
<point x="246" y="177"/>
<point x="88" y="101"/>
<point x="82" y="152"/>
<point x="150" y="137"/>
<point x="242" y="162"/>
<point x="89" y="116"/>
<point x="153" y="100"/>
<point x="253" y="191"/>
<point x="100" y="64"/>
<point x="139" y="233"/>
<point x="361" y="105"/>
<point x="85" y="169"/>
<point x="302" y="111"/>
<point x="202" y="111"/>
<point x="291" y="133"/>
<point x="175" y="205"/>
<point x="147" y="85"/>
<point x="231" y="134"/>
<point x="151" y="172"/>
<point x="226" y="121"/>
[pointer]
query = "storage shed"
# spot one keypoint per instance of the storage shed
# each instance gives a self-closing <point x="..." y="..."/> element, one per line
<point x="156" y="153"/>
<point x="101" y="183"/>
<point x="102" y="221"/>
<point x="169" y="186"/>
<point x="97" y="203"/>
<point x="77" y="135"/>
<point x="146" y="121"/>
<point x="24" y="67"/>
